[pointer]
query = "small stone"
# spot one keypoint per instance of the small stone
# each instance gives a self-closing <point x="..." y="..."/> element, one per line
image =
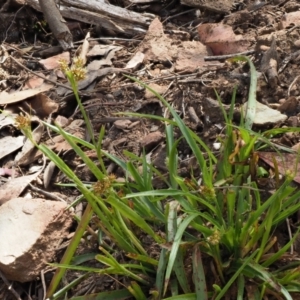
<point x="157" y="88"/>
<point x="289" y="106"/>
<point x="297" y="43"/>
<point x="30" y="231"/>
<point x="122" y="124"/>
<point x="151" y="140"/>
<point x="293" y="121"/>
<point x="266" y="115"/>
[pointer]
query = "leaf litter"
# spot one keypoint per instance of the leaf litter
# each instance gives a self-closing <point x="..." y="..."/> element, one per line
<point x="183" y="58"/>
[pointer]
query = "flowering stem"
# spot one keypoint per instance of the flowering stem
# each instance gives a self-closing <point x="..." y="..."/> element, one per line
<point x="74" y="86"/>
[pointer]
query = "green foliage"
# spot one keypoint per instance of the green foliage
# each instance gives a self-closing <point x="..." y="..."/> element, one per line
<point x="212" y="235"/>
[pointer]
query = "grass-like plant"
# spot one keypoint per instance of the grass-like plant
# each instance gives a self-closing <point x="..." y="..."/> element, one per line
<point x="215" y="237"/>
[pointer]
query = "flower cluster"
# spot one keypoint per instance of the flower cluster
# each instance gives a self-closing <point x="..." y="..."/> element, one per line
<point x="208" y="193"/>
<point x="214" y="239"/>
<point x="22" y="122"/>
<point x="102" y="186"/>
<point x="77" y="69"/>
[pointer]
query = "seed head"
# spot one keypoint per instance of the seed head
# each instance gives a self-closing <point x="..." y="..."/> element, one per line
<point x="214" y="239"/>
<point x="22" y="122"/>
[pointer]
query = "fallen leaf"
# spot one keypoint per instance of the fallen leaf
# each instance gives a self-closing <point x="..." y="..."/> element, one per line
<point x="48" y="172"/>
<point x="103" y="50"/>
<point x="6" y="98"/>
<point x="84" y="48"/>
<point x="10" y="144"/>
<point x="269" y="63"/>
<point x="6" y="172"/>
<point x="15" y="186"/>
<point x="33" y="82"/>
<point x="7" y="118"/>
<point x="187" y="56"/>
<point x="286" y="162"/>
<point x="221" y="39"/>
<point x="53" y="62"/>
<point x="135" y="61"/>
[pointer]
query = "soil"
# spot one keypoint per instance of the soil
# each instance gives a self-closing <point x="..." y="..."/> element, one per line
<point x="187" y="82"/>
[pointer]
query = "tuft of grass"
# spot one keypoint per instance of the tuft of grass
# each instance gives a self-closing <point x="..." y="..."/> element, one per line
<point x="208" y="236"/>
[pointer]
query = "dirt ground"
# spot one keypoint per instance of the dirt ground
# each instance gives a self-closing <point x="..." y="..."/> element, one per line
<point x="183" y="56"/>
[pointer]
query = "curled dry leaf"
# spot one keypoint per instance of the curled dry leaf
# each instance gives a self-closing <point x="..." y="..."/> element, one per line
<point x="84" y="48"/>
<point x="10" y="144"/>
<point x="43" y="106"/>
<point x="103" y="50"/>
<point x="269" y="63"/>
<point x="6" y="98"/>
<point x="40" y="105"/>
<point x="7" y="118"/>
<point x="221" y="39"/>
<point x="48" y="174"/>
<point x="15" y="186"/>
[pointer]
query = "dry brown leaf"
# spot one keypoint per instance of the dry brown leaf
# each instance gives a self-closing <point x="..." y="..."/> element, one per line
<point x="14" y="187"/>
<point x="287" y="162"/>
<point x="53" y="62"/>
<point x="40" y="105"/>
<point x="103" y="50"/>
<point x="10" y="144"/>
<point x="221" y="39"/>
<point x="6" y="98"/>
<point x="188" y="56"/>
<point x="135" y="61"/>
<point x="7" y="118"/>
<point x="84" y="48"/>
<point x="48" y="172"/>
<point x="34" y="82"/>
<point x="43" y="106"/>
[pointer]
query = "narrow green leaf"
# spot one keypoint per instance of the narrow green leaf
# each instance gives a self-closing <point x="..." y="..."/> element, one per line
<point x="175" y="247"/>
<point x="110" y="295"/>
<point x="267" y="277"/>
<point x="235" y="276"/>
<point x="160" y="275"/>
<point x="136" y="291"/>
<point x="134" y="217"/>
<point x="199" y="274"/>
<point x="183" y="297"/>
<point x="240" y="287"/>
<point x="180" y="271"/>
<point x="251" y="104"/>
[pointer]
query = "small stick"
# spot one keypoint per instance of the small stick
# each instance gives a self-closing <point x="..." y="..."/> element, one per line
<point x="9" y="286"/>
<point x="39" y="75"/>
<point x="48" y="195"/>
<point x="223" y="57"/>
